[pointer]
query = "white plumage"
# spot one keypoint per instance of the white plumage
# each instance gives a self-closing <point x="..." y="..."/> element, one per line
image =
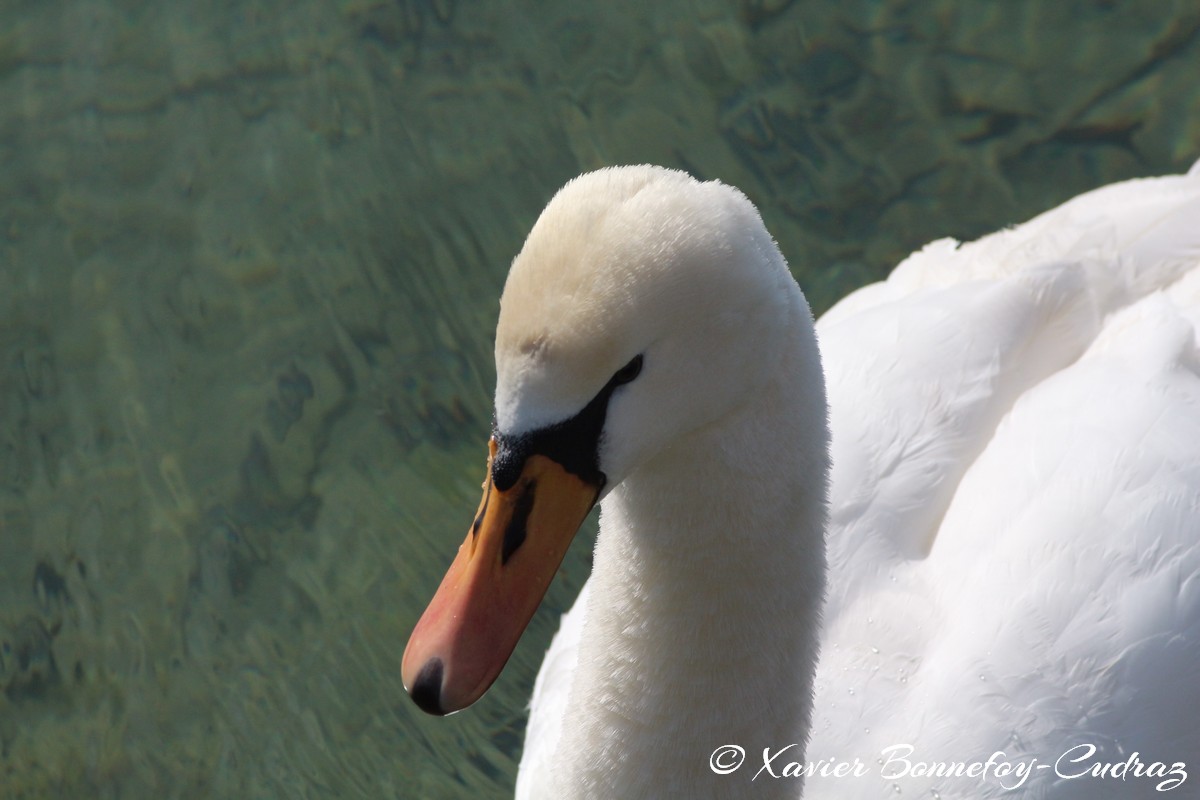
<point x="1014" y="536"/>
<point x="1015" y="547"/>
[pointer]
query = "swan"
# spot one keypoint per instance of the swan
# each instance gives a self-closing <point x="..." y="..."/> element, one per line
<point x="1002" y="492"/>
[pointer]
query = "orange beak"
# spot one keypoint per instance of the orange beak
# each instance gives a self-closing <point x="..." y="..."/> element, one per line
<point x="494" y="585"/>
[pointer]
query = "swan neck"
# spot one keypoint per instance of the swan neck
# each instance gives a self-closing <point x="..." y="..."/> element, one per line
<point x="707" y="584"/>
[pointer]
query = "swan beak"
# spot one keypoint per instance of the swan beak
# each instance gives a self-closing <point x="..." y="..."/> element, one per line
<point x="489" y="594"/>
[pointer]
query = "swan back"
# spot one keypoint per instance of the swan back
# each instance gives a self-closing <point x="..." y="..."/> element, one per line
<point x="1015" y="532"/>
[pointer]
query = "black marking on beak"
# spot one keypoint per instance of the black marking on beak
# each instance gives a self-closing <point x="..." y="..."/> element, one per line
<point x="427" y="689"/>
<point x="514" y="534"/>
<point x="573" y="443"/>
<point x="487" y="496"/>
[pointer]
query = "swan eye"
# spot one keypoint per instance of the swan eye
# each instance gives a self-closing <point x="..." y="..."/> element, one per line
<point x="628" y="372"/>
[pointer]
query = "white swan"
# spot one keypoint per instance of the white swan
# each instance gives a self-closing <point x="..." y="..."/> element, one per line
<point x="1014" y="529"/>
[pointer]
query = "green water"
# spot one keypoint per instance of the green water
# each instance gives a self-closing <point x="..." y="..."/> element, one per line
<point x="250" y="254"/>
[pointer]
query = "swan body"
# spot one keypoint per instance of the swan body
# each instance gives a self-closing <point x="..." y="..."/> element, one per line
<point x="1012" y="523"/>
<point x="1015" y="538"/>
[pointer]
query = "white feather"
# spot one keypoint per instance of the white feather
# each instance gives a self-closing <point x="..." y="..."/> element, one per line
<point x="1014" y="543"/>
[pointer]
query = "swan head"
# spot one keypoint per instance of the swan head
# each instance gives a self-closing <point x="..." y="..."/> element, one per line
<point x="644" y="305"/>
